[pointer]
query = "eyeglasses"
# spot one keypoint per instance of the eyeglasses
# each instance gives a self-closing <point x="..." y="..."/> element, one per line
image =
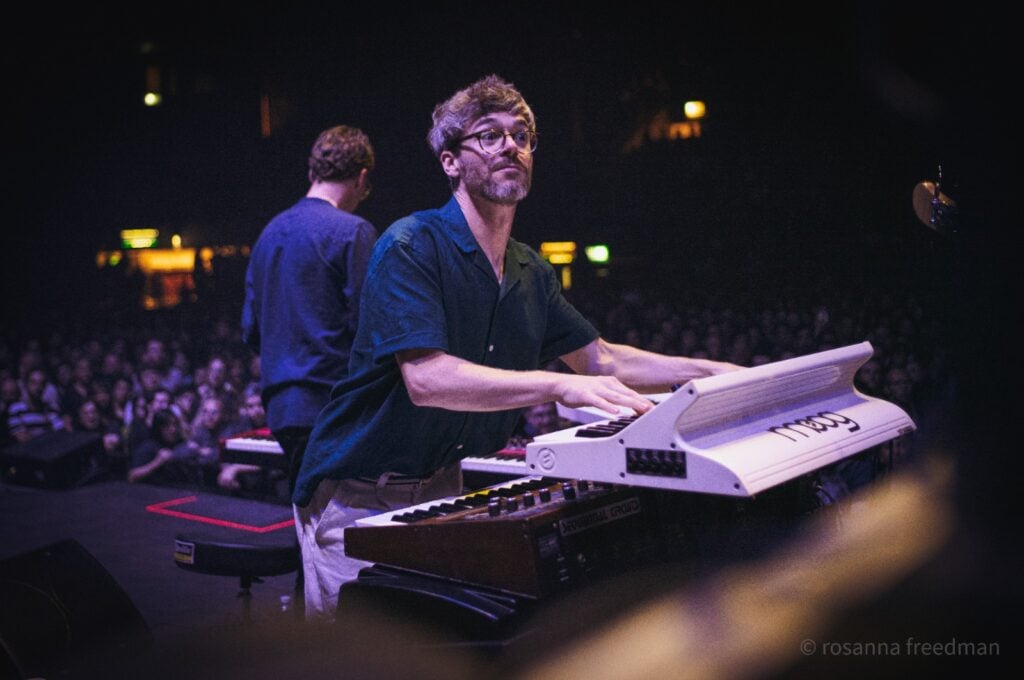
<point x="493" y="141"/>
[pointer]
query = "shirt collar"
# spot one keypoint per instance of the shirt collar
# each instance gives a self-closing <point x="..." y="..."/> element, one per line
<point x="516" y="255"/>
<point x="460" y="232"/>
<point x="466" y="241"/>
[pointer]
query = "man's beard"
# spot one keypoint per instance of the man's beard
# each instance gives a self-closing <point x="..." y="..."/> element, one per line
<point x="505" y="191"/>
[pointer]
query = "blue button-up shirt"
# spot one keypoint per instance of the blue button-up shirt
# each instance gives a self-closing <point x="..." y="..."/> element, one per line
<point x="430" y="286"/>
<point x="302" y="288"/>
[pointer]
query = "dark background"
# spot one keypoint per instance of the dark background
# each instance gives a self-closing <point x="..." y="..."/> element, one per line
<point x="820" y="123"/>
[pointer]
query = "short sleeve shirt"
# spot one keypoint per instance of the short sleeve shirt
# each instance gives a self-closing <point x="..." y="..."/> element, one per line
<point x="430" y="286"/>
<point x="302" y="288"/>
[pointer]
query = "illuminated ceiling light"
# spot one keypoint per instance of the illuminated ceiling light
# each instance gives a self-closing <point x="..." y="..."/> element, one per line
<point x="694" y="110"/>
<point x="206" y="258"/>
<point x="558" y="252"/>
<point x="548" y="247"/>
<point x="167" y="260"/>
<point x="152" y="99"/>
<point x="684" y="129"/>
<point x="597" y="254"/>
<point x="139" y="238"/>
<point x="176" y="241"/>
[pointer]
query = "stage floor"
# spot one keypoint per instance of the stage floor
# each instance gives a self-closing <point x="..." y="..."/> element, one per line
<point x="130" y="529"/>
<point x="199" y="627"/>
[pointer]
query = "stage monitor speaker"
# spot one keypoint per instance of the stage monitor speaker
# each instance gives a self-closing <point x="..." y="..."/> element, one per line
<point x="55" y="460"/>
<point x="63" y="614"/>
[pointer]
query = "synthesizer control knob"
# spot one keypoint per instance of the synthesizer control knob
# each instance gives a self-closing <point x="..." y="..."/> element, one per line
<point x="511" y="505"/>
<point x="545" y="495"/>
<point x="494" y="507"/>
<point x="583" y="485"/>
<point x="529" y="500"/>
<point x="568" y="491"/>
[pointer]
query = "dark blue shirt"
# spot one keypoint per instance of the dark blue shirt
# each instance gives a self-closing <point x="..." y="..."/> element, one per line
<point x="430" y="286"/>
<point x="301" y="308"/>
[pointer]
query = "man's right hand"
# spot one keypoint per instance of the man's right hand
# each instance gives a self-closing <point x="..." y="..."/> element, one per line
<point x="601" y="391"/>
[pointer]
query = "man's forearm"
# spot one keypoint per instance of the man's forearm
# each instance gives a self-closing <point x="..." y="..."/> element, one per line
<point x="443" y="381"/>
<point x="439" y="380"/>
<point x="642" y="370"/>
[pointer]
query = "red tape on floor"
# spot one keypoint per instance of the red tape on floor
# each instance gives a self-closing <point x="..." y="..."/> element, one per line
<point x="163" y="508"/>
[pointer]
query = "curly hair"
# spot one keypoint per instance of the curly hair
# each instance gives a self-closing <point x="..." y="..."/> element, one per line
<point x="340" y="153"/>
<point x="491" y="94"/>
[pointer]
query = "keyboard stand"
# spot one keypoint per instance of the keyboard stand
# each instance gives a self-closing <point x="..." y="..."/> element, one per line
<point x="458" y="613"/>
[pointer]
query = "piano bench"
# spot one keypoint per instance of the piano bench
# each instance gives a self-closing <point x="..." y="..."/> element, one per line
<point x="206" y="554"/>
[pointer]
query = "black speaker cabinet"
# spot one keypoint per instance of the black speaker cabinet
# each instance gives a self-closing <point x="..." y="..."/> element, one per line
<point x="56" y="460"/>
<point x="62" y="612"/>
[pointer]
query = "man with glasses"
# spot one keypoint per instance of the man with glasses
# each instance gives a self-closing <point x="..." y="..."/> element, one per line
<point x="302" y="288"/>
<point x="456" y="320"/>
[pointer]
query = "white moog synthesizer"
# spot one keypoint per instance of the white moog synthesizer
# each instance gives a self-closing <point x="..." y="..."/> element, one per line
<point x="734" y="434"/>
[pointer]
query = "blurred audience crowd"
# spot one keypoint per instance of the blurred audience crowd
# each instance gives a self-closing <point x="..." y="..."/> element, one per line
<point x="165" y="390"/>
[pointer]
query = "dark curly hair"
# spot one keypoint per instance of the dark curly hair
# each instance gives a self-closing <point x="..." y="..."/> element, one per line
<point x="339" y="153"/>
<point x="490" y="94"/>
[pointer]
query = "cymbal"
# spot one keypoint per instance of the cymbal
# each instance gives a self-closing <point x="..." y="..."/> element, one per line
<point x="934" y="208"/>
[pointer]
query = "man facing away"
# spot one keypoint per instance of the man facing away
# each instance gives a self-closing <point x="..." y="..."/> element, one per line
<point x="456" y="320"/>
<point x="302" y="288"/>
